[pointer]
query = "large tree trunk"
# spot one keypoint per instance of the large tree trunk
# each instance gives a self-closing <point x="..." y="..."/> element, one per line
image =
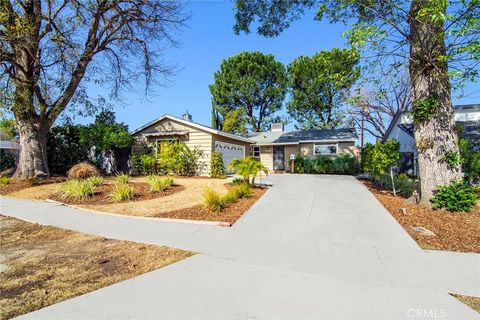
<point x="434" y="135"/>
<point x="33" y="150"/>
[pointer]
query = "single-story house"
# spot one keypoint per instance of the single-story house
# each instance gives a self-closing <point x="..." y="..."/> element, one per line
<point x="401" y="129"/>
<point x="275" y="147"/>
<point x="272" y="148"/>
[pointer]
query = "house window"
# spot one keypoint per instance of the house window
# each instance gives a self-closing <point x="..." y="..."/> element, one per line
<point x="324" y="149"/>
<point x="256" y="151"/>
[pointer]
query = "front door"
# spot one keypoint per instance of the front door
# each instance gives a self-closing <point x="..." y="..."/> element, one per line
<point x="278" y="158"/>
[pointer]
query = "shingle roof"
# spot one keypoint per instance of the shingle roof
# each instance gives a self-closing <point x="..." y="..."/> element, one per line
<point x="294" y="137"/>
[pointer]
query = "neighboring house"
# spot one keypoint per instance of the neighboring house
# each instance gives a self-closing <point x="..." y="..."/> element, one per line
<point x="272" y="148"/>
<point x="10" y="146"/>
<point x="194" y="135"/>
<point x="401" y="129"/>
<point x="275" y="147"/>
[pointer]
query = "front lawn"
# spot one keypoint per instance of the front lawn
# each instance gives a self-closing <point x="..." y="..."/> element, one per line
<point x="45" y="265"/>
<point x="453" y="231"/>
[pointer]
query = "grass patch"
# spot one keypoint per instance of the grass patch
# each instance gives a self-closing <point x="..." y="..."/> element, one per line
<point x="159" y="183"/>
<point x="47" y="265"/>
<point x="122" y="192"/>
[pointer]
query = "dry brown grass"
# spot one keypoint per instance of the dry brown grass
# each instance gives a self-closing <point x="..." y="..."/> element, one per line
<point x="472" y="302"/>
<point x="82" y="170"/>
<point x="47" y="265"/>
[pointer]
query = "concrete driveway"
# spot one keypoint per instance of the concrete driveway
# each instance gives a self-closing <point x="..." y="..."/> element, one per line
<point x="311" y="247"/>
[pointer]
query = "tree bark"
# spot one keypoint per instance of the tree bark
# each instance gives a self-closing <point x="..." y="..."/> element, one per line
<point x="435" y="136"/>
<point x="32" y="162"/>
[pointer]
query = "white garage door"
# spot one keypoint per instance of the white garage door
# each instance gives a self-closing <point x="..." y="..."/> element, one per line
<point x="230" y="151"/>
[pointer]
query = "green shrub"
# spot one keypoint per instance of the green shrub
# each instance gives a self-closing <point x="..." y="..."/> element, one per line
<point x="213" y="200"/>
<point x="321" y="164"/>
<point x="7" y="160"/>
<point x="345" y="164"/>
<point x="217" y="168"/>
<point x="470" y="159"/>
<point x="122" y="192"/>
<point x="122" y="178"/>
<point x="95" y="181"/>
<point x="342" y="164"/>
<point x="404" y="186"/>
<point x="379" y="158"/>
<point x="145" y="164"/>
<point x="237" y="181"/>
<point x="76" y="189"/>
<point x="455" y="197"/>
<point x="176" y="158"/>
<point x="159" y="183"/>
<point x="242" y="191"/>
<point x="4" y="180"/>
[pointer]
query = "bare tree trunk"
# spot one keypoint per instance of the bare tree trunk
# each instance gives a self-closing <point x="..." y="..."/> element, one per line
<point x="32" y="130"/>
<point x="33" y="150"/>
<point x="435" y="133"/>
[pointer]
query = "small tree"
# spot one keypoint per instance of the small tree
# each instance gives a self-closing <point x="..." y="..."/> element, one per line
<point x="217" y="168"/>
<point x="247" y="167"/>
<point x="378" y="159"/>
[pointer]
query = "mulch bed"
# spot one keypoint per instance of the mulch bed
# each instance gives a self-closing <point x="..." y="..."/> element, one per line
<point x="102" y="194"/>
<point x="453" y="231"/>
<point x="20" y="184"/>
<point x="230" y="214"/>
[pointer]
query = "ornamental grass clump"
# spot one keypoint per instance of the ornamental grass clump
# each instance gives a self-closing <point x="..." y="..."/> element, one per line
<point x="122" y="178"/>
<point x="213" y="200"/>
<point x="159" y="183"/>
<point x="76" y="189"/>
<point x="122" y="192"/>
<point x="243" y="190"/>
<point x="82" y="170"/>
<point x="95" y="181"/>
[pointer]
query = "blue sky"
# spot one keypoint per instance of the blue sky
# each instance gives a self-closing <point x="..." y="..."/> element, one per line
<point x="209" y="39"/>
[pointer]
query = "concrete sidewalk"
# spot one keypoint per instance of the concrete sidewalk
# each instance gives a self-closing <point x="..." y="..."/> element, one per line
<point x="311" y="247"/>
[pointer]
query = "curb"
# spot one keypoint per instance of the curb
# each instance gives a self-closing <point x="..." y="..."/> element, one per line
<point x="199" y="222"/>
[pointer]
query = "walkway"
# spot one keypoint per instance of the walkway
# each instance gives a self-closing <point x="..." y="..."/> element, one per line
<point x="312" y="247"/>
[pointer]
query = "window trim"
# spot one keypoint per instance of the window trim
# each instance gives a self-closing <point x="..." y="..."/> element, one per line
<point x="325" y="144"/>
<point x="253" y="152"/>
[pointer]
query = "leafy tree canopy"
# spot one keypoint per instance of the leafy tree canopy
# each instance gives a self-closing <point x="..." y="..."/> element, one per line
<point x="253" y="81"/>
<point x="319" y="85"/>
